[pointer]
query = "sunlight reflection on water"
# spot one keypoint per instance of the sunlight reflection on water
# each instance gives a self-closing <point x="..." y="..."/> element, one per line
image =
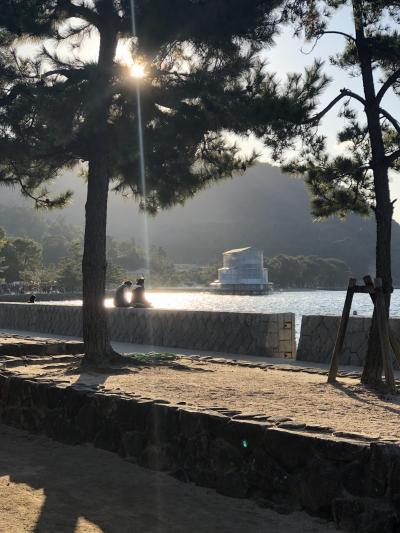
<point x="300" y="303"/>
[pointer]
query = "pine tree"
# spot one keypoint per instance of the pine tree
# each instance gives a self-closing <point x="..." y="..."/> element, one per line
<point x="358" y="180"/>
<point x="61" y="110"/>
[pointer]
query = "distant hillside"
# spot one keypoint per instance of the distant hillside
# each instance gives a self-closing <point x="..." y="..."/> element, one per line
<point x="262" y="208"/>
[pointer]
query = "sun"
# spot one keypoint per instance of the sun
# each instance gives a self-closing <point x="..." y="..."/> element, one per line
<point x="137" y="70"/>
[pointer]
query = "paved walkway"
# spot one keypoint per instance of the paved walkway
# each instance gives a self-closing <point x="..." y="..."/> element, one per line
<point x="126" y="347"/>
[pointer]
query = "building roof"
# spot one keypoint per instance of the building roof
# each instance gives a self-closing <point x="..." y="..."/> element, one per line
<point x="237" y="250"/>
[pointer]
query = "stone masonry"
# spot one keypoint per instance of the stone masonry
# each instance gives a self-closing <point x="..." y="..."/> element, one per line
<point x="318" y="335"/>
<point x="354" y="483"/>
<point x="270" y="335"/>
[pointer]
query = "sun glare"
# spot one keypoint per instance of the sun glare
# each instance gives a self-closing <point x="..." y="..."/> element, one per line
<point x="137" y="70"/>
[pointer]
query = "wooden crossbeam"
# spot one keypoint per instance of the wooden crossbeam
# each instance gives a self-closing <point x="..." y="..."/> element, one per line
<point x="364" y="289"/>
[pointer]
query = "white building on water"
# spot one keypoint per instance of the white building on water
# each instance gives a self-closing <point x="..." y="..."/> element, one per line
<point x="243" y="272"/>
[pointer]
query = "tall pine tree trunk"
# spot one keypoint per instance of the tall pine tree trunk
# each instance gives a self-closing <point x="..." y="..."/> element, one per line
<point x="98" y="350"/>
<point x="95" y="330"/>
<point x="372" y="374"/>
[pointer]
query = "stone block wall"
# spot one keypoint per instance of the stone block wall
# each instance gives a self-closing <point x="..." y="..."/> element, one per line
<point x="354" y="483"/>
<point x="318" y="336"/>
<point x="271" y="335"/>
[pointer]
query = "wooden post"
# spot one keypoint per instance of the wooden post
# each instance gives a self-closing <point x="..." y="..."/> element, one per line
<point x="394" y="341"/>
<point x="383" y="328"/>
<point x="333" y="370"/>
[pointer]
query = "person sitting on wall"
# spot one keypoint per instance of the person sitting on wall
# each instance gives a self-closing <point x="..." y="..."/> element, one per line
<point x="121" y="298"/>
<point x="138" y="297"/>
<point x="32" y="299"/>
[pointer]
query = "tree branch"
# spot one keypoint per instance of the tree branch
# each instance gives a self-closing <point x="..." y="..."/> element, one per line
<point x="67" y="73"/>
<point x="40" y="201"/>
<point x="347" y="93"/>
<point x="58" y="72"/>
<point x="344" y="93"/>
<point x="347" y="35"/>
<point x="391" y="119"/>
<point x="391" y="158"/>
<point x="355" y="96"/>
<point x="388" y="83"/>
<point x="80" y="11"/>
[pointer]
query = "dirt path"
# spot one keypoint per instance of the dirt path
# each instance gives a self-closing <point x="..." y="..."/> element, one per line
<point x="48" y="487"/>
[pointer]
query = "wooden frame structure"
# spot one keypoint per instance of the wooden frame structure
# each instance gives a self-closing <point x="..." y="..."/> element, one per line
<point x="387" y="337"/>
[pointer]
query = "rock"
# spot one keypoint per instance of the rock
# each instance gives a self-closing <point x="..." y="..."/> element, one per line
<point x="365" y="516"/>
<point x="347" y="513"/>
<point x="384" y="461"/>
<point x="319" y="428"/>
<point x="317" y="486"/>
<point x="355" y="436"/>
<point x="224" y="456"/>
<point x="232" y="484"/>
<point x="244" y="416"/>
<point x="157" y="458"/>
<point x="292" y="425"/>
<point x="291" y="450"/>
<point x="132" y="444"/>
<point x="355" y="478"/>
<point x="345" y="451"/>
<point x="280" y="419"/>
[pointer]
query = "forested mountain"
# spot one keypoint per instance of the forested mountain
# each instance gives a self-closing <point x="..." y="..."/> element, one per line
<point x="262" y="208"/>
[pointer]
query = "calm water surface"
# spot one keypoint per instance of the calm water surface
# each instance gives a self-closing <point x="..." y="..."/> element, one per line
<point x="300" y="303"/>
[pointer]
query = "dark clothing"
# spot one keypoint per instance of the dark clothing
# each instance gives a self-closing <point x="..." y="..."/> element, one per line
<point x="120" y="299"/>
<point x="139" y="298"/>
<point x="138" y="295"/>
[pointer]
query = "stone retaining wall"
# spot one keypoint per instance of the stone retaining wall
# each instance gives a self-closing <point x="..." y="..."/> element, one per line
<point x="271" y="335"/>
<point x="318" y="335"/>
<point x="355" y="483"/>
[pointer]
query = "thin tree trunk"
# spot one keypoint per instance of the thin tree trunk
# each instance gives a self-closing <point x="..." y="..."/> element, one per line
<point x="98" y="350"/>
<point x="372" y="374"/>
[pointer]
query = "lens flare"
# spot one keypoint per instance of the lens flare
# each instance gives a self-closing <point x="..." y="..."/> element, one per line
<point x="137" y="70"/>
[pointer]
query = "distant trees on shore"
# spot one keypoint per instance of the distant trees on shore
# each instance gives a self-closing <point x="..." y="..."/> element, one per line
<point x="307" y="271"/>
<point x="56" y="257"/>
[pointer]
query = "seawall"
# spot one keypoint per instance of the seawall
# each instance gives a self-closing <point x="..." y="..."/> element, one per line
<point x="270" y="335"/>
<point x="318" y="335"/>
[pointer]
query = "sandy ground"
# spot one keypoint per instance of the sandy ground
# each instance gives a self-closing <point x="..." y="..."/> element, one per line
<point x="48" y="487"/>
<point x="274" y="392"/>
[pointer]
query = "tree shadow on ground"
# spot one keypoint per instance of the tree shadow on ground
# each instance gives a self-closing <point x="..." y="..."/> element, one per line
<point x="53" y="487"/>
<point x="131" y="364"/>
<point x="358" y="393"/>
<point x="81" y="483"/>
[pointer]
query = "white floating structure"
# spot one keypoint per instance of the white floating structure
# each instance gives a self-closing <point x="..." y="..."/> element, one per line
<point x="243" y="272"/>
